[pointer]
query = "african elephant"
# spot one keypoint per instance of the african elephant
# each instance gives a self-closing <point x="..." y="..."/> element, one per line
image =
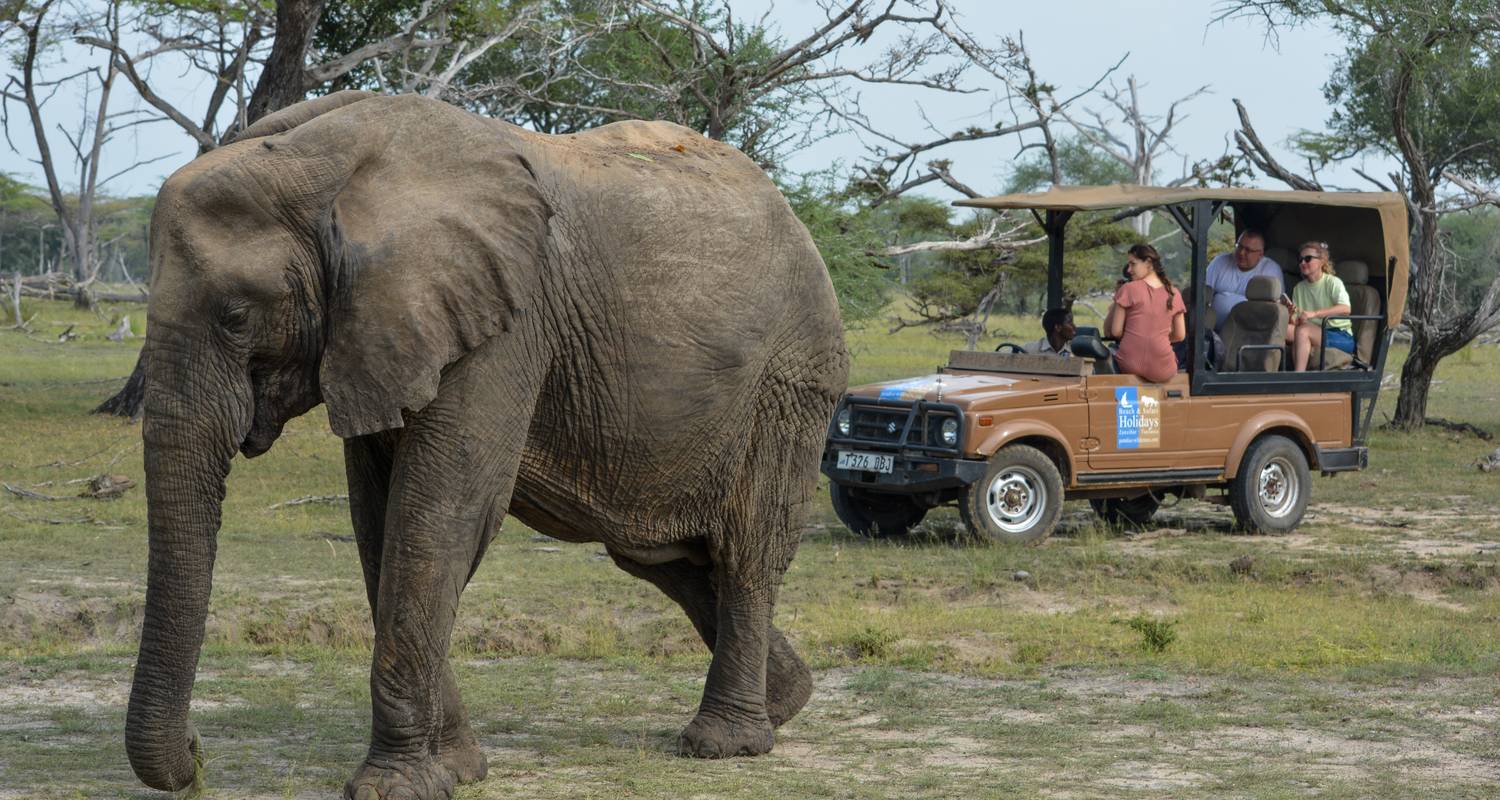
<point x="622" y="336"/>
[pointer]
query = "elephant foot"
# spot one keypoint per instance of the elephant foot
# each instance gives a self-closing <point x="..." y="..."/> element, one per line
<point x="388" y="779"/>
<point x="709" y="736"/>
<point x="789" y="682"/>
<point x="461" y="756"/>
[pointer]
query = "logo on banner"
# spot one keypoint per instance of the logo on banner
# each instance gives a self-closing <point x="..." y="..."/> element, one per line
<point x="914" y="389"/>
<point x="1137" y="417"/>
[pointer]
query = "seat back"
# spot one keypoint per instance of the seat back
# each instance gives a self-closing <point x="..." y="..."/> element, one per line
<point x="1363" y="299"/>
<point x="1260" y="320"/>
<point x="1287" y="260"/>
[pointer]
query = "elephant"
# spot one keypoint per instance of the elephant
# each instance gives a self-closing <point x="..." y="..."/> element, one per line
<point x="621" y="336"/>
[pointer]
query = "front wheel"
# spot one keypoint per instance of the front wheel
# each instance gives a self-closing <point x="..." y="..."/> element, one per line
<point x="875" y="515"/>
<point x="1019" y="498"/>
<point x="1269" y="494"/>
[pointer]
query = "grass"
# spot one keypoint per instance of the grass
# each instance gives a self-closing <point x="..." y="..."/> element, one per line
<point x="1354" y="658"/>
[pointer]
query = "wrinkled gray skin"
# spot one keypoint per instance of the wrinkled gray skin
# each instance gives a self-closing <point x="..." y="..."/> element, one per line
<point x="622" y="336"/>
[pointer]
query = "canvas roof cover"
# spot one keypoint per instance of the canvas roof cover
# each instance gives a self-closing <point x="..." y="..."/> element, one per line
<point x="1390" y="206"/>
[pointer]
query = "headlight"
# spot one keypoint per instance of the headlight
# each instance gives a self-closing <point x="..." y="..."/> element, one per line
<point x="843" y="423"/>
<point x="950" y="431"/>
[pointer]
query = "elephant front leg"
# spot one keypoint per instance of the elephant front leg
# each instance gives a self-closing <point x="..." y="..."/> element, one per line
<point x="368" y="462"/>
<point x="422" y="571"/>
<point x="451" y="479"/>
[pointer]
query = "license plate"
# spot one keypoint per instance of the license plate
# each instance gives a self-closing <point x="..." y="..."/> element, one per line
<point x="866" y="462"/>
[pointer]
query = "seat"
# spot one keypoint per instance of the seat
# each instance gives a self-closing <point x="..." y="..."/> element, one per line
<point x="1364" y="299"/>
<point x="1290" y="274"/>
<point x="1259" y="320"/>
<point x="1088" y="344"/>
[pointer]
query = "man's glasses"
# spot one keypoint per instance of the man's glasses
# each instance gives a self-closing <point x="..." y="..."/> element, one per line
<point x="1306" y="259"/>
<point x="1245" y="249"/>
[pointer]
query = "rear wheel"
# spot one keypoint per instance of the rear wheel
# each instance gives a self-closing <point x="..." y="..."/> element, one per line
<point x="1019" y="498"/>
<point x="1269" y="494"/>
<point x="1123" y="511"/>
<point x="875" y="515"/>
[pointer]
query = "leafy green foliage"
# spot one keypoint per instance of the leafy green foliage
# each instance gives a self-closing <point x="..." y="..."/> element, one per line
<point x="1454" y="102"/>
<point x="845" y="235"/>
<point x="1081" y="163"/>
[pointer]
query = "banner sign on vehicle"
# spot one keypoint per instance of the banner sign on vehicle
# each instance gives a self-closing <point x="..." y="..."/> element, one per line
<point x="1137" y="417"/>
<point x="914" y="389"/>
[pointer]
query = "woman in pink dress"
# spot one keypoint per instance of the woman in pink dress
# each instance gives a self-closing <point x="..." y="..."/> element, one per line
<point x="1147" y="317"/>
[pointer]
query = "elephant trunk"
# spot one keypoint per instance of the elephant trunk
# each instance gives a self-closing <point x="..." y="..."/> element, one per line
<point x="191" y="431"/>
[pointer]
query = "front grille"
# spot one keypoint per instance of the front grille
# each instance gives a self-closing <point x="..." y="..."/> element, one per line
<point x="898" y="424"/>
<point x="881" y="424"/>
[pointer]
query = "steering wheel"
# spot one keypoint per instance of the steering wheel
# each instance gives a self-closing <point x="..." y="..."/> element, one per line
<point x="1009" y="347"/>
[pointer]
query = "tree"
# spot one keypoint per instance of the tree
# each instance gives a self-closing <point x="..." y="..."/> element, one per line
<point x="1419" y="83"/>
<point x="698" y="64"/>
<point x="75" y="206"/>
<point x="1144" y="138"/>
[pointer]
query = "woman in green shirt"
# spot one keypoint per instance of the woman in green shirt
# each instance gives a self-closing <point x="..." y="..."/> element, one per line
<point x="1320" y="295"/>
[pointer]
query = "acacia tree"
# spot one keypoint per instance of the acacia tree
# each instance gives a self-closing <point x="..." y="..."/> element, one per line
<point x="1420" y="84"/>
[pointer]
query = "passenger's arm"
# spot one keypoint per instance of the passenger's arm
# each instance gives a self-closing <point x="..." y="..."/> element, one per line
<point x="1179" y="327"/>
<point x="1114" y="322"/>
<point x="1339" y="310"/>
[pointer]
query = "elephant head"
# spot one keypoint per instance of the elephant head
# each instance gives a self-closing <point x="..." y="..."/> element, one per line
<point x="343" y="251"/>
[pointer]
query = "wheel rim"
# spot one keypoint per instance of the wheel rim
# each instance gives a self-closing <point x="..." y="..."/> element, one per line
<point x="1277" y="487"/>
<point x="1016" y="499"/>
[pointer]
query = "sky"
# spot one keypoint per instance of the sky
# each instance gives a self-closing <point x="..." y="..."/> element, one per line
<point x="1170" y="46"/>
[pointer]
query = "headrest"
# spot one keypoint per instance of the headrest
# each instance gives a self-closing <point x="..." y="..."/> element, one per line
<point x="1355" y="272"/>
<point x="1262" y="288"/>
<point x="1282" y="257"/>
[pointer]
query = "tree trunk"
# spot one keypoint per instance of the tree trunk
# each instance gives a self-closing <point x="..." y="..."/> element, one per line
<point x="282" y="82"/>
<point x="1416" y="381"/>
<point x="129" y="401"/>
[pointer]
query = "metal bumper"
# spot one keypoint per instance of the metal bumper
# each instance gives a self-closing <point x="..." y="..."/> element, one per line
<point x="910" y="475"/>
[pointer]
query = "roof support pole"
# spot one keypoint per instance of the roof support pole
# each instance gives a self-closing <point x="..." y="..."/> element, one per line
<point x="1057" y="222"/>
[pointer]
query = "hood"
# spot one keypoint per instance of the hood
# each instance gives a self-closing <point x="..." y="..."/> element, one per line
<point x="970" y="391"/>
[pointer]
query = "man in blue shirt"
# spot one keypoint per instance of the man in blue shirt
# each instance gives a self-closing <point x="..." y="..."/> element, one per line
<point x="1229" y="273"/>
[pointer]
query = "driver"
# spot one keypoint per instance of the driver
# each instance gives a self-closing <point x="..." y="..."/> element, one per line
<point x="1058" y="330"/>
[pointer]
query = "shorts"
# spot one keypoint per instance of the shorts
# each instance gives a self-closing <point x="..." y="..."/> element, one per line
<point x="1339" y="340"/>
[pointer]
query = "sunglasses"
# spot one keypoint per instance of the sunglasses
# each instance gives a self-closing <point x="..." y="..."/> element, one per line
<point x="1306" y="259"/>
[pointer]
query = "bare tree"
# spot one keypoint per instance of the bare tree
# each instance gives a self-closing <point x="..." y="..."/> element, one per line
<point x="698" y="64"/>
<point x="1145" y="136"/>
<point x="96" y="127"/>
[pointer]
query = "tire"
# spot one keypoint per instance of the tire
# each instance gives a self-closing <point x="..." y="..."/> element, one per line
<point x="1126" y="511"/>
<point x="875" y="515"/>
<point x="1269" y="494"/>
<point x="1018" y="500"/>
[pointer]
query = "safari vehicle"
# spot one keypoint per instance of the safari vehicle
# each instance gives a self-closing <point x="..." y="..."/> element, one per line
<point x="1009" y="437"/>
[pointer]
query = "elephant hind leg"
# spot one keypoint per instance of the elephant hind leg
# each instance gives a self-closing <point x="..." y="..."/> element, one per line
<point x="788" y="680"/>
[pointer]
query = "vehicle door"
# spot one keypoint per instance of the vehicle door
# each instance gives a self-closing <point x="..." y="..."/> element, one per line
<point x="1134" y="425"/>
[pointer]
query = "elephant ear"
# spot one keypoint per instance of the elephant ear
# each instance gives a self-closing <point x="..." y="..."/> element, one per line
<point x="433" y="246"/>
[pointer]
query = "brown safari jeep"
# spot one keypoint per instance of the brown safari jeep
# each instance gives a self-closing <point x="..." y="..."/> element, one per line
<point x="1009" y="437"/>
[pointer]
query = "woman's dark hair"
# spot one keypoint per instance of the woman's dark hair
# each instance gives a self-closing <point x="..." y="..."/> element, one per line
<point x="1145" y="252"/>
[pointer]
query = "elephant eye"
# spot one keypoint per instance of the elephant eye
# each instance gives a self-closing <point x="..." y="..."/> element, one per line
<point x="234" y="316"/>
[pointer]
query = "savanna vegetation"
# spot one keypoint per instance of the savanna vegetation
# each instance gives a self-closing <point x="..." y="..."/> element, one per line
<point x="1354" y="658"/>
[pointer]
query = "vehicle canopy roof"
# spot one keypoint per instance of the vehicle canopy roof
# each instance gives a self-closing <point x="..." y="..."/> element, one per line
<point x="1347" y="221"/>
